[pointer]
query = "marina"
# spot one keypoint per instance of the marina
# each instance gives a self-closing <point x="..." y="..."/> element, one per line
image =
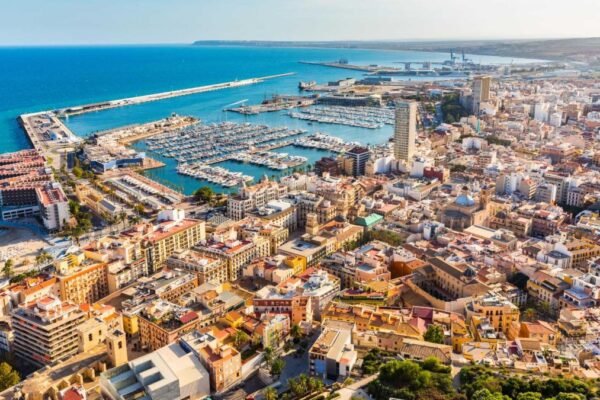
<point x="271" y="160"/>
<point x="361" y="117"/>
<point x="322" y="141"/>
<point x="217" y="175"/>
<point x="218" y="142"/>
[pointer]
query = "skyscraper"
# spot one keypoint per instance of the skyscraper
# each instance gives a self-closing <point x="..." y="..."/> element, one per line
<point x="481" y="92"/>
<point x="359" y="156"/>
<point x="405" y="130"/>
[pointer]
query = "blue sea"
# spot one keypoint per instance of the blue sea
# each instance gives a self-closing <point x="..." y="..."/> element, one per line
<point x="42" y="78"/>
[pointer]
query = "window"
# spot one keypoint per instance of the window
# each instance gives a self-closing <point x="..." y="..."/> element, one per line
<point x="90" y="337"/>
<point x="120" y="345"/>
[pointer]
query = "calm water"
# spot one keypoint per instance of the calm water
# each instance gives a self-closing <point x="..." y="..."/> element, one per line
<point x="34" y="79"/>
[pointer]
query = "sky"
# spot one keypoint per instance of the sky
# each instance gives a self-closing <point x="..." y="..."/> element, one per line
<point x="56" y="22"/>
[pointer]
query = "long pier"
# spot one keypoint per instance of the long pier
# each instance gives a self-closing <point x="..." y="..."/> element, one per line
<point x="64" y="112"/>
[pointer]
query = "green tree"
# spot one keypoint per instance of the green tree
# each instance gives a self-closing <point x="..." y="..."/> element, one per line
<point x="78" y="172"/>
<point x="569" y="396"/>
<point x="43" y="259"/>
<point x="296" y="332"/>
<point x="74" y="208"/>
<point x="434" y="334"/>
<point x="277" y="366"/>
<point x="315" y="385"/>
<point x="8" y="376"/>
<point x="529" y="396"/>
<point x="139" y="208"/>
<point x="76" y="233"/>
<point x="240" y="338"/>
<point x="299" y="386"/>
<point x="204" y="194"/>
<point x="270" y="393"/>
<point x="389" y="237"/>
<point x="404" y="374"/>
<point x="433" y="364"/>
<point x="529" y="314"/>
<point x="268" y="355"/>
<point x="484" y="394"/>
<point x="8" y="268"/>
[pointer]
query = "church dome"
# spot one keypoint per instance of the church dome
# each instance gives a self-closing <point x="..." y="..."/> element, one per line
<point x="465" y="200"/>
<point x="469" y="272"/>
<point x="340" y="218"/>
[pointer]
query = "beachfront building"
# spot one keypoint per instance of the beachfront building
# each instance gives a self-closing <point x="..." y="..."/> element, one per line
<point x="172" y="232"/>
<point x="254" y="197"/>
<point x="45" y="331"/>
<point x="81" y="279"/>
<point x="27" y="189"/>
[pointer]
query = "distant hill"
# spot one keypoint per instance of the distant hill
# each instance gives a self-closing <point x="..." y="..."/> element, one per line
<point x="581" y="49"/>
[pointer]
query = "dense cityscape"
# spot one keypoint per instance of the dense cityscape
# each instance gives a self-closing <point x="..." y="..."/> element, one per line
<point x="457" y="258"/>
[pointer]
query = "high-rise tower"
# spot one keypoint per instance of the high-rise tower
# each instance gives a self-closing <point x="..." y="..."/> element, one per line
<point x="405" y="130"/>
<point x="481" y="92"/>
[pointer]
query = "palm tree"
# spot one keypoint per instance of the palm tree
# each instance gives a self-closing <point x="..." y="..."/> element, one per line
<point x="296" y="332"/>
<point x="277" y="366"/>
<point x="303" y="383"/>
<point x="7" y="269"/>
<point x="122" y="217"/>
<point x="240" y="338"/>
<point x="268" y="354"/>
<point x="314" y="384"/>
<point x="270" y="393"/>
<point x="43" y="259"/>
<point x="295" y="387"/>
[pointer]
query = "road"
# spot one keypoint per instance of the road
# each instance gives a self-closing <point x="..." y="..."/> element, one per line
<point x="295" y="366"/>
<point x="356" y="389"/>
